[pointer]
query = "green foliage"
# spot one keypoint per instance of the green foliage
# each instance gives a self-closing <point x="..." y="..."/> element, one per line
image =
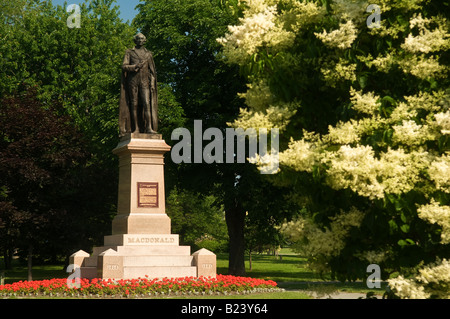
<point x="80" y="67"/>
<point x="199" y="220"/>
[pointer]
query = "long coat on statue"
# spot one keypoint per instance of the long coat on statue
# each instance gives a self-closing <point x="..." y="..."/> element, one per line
<point x="133" y="86"/>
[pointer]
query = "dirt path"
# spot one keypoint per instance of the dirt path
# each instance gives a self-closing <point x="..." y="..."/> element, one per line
<point x="339" y="295"/>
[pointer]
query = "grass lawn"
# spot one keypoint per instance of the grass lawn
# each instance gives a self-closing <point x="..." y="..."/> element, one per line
<point x="289" y="268"/>
<point x="40" y="272"/>
<point x="290" y="272"/>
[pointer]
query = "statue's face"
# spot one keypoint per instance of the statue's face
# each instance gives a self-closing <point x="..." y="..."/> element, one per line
<point x="139" y="39"/>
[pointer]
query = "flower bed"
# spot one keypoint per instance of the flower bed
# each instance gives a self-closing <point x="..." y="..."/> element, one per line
<point x="141" y="287"/>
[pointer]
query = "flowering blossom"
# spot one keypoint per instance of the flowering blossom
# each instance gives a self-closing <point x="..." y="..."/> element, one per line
<point x="341" y="38"/>
<point x="431" y="282"/>
<point x="439" y="214"/>
<point x="410" y="133"/>
<point x="350" y="9"/>
<point x="427" y="40"/>
<point x="364" y="103"/>
<point x="302" y="155"/>
<point x="259" y="27"/>
<point x="343" y="133"/>
<point x="443" y="120"/>
<point x="258" y="95"/>
<point x="439" y="171"/>
<point x="274" y="116"/>
<point x="423" y="66"/>
<point x="322" y="243"/>
<point x="335" y="72"/>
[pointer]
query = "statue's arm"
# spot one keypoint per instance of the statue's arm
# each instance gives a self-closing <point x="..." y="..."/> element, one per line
<point x="151" y="65"/>
<point x="126" y="66"/>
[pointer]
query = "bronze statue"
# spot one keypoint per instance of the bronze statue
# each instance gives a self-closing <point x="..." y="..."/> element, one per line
<point x="138" y="95"/>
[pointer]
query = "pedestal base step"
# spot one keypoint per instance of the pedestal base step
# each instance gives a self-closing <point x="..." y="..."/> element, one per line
<point x="153" y="261"/>
<point x="140" y="260"/>
<point x="159" y="272"/>
<point x="150" y="272"/>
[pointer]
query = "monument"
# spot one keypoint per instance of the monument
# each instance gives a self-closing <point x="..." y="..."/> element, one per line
<point x="141" y="243"/>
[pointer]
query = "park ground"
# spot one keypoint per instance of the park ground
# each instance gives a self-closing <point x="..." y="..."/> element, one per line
<point x="287" y="269"/>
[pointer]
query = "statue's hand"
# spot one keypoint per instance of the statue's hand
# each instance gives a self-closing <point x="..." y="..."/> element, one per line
<point x="140" y="65"/>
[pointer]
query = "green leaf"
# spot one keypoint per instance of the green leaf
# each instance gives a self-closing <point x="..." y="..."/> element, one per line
<point x="404" y="228"/>
<point x="405" y="242"/>
<point x="387" y="135"/>
<point x="391" y="198"/>
<point x="398" y="206"/>
<point x="403" y="217"/>
<point x="401" y="242"/>
<point x="362" y="81"/>
<point x="392" y="226"/>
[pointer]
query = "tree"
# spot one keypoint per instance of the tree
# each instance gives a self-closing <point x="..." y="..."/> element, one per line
<point x="363" y="113"/>
<point x="42" y="165"/>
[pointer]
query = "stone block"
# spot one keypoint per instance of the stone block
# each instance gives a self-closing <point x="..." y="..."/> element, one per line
<point x="88" y="272"/>
<point x="110" y="265"/>
<point x="141" y="224"/>
<point x="154" y="261"/>
<point x="205" y="261"/>
<point x="159" y="272"/>
<point x="78" y="258"/>
<point x="157" y="250"/>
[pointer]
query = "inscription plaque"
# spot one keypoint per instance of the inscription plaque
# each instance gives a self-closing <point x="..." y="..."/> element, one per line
<point x="147" y="194"/>
<point x="112" y="267"/>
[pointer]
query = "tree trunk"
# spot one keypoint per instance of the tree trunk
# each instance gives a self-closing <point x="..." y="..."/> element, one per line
<point x="7" y="257"/>
<point x="30" y="263"/>
<point x="235" y="217"/>
<point x="250" y="259"/>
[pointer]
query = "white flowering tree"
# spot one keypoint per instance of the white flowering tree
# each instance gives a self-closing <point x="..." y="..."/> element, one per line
<point x="363" y="110"/>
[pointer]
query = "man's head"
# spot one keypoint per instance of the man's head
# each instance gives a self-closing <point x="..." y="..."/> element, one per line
<point x="140" y="39"/>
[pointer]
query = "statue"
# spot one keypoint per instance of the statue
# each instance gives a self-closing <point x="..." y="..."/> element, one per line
<point x="138" y="109"/>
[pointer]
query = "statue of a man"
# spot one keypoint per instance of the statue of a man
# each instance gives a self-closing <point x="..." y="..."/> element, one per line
<point x="138" y="97"/>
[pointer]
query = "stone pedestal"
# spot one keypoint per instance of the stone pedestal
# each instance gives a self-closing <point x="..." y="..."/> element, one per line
<point x="141" y="203"/>
<point x="141" y="243"/>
